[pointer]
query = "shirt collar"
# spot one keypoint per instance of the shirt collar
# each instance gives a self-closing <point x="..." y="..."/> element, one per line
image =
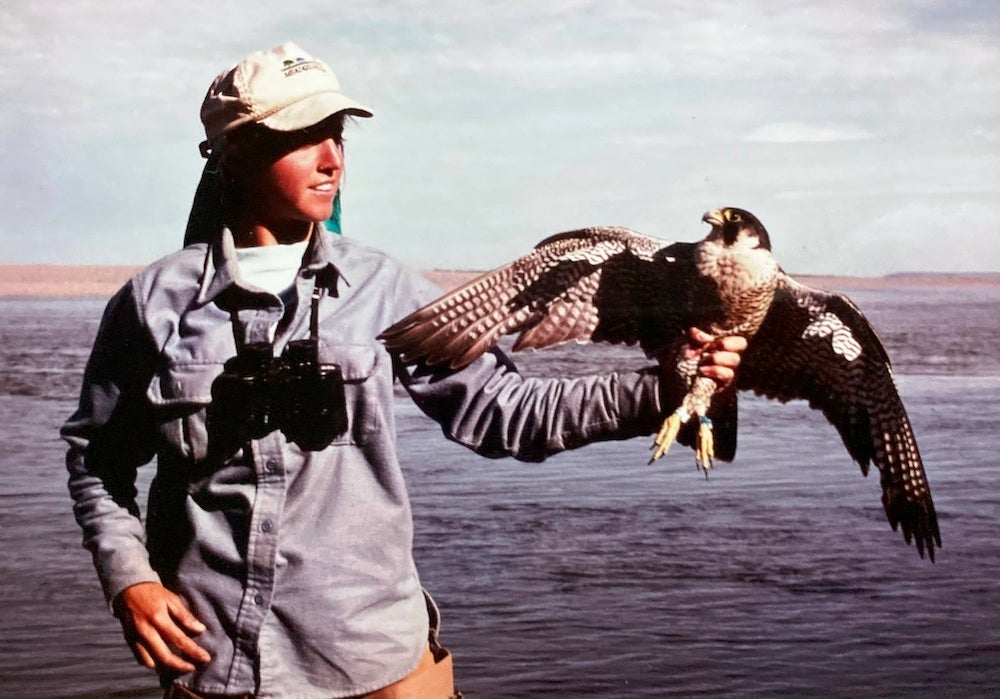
<point x="222" y="272"/>
<point x="319" y="258"/>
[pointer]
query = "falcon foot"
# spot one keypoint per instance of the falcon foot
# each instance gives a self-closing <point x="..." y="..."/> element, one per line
<point x="704" y="448"/>
<point x="667" y="435"/>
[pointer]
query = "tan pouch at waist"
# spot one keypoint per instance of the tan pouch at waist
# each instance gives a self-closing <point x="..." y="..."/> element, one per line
<point x="432" y="679"/>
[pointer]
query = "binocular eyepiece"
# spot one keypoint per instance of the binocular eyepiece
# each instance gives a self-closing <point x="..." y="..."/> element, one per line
<point x="257" y="393"/>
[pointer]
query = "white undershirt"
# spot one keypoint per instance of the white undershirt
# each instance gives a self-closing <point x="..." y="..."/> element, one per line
<point x="271" y="267"/>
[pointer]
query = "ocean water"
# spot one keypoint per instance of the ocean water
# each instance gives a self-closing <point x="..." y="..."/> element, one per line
<point x="594" y="574"/>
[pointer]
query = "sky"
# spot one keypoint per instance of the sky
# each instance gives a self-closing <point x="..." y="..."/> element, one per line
<point x="865" y="135"/>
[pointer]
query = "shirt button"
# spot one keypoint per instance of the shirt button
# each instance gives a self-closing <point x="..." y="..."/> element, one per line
<point x="266" y="526"/>
<point x="271" y="466"/>
<point x="258" y="599"/>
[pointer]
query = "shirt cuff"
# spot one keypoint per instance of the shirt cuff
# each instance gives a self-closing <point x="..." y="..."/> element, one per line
<point x="642" y="402"/>
<point x="128" y="570"/>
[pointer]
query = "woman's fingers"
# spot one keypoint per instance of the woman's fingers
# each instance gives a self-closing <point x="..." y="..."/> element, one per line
<point x="142" y="655"/>
<point x="179" y="640"/>
<point x="158" y="627"/>
<point x="730" y="344"/>
<point x="183" y="616"/>
<point x="718" y="357"/>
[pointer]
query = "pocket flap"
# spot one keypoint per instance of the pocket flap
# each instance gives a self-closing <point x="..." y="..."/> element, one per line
<point x="357" y="362"/>
<point x="179" y="384"/>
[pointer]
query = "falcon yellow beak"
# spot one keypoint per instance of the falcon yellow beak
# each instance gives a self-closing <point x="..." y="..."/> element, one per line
<point x="714" y="217"/>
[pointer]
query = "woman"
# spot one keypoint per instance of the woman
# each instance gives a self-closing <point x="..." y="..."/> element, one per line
<point x="276" y="558"/>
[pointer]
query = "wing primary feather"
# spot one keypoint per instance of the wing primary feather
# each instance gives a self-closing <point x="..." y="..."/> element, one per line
<point x="547" y="296"/>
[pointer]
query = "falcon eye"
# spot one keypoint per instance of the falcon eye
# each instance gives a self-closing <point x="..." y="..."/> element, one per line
<point x="732" y="216"/>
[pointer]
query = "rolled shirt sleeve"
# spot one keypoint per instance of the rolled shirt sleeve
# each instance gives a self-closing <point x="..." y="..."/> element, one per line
<point x="492" y="409"/>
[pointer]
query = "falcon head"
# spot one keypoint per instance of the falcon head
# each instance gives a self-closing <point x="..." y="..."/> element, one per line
<point x="737" y="227"/>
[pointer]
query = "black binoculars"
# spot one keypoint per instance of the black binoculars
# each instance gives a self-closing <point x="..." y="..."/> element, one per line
<point x="257" y="393"/>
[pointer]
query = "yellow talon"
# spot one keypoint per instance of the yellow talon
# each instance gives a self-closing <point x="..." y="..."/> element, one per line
<point x="667" y="435"/>
<point x="705" y="445"/>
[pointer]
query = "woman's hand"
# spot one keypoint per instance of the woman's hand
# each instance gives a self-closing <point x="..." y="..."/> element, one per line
<point x="718" y="357"/>
<point x="158" y="628"/>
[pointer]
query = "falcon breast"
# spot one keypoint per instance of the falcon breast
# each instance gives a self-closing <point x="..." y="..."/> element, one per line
<point x="614" y="285"/>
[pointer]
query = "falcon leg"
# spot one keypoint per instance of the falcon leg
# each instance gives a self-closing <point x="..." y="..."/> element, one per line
<point x="704" y="448"/>
<point x="668" y="433"/>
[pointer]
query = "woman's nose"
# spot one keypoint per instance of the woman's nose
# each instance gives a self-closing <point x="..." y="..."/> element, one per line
<point x="331" y="156"/>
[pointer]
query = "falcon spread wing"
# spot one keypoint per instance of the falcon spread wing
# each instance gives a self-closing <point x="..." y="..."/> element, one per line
<point x="818" y="346"/>
<point x="603" y="284"/>
<point x="614" y="285"/>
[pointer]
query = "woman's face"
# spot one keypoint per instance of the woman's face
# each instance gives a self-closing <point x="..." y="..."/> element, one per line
<point x="300" y="185"/>
<point x="287" y="180"/>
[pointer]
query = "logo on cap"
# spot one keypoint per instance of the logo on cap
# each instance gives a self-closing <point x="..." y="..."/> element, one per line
<point x="299" y="65"/>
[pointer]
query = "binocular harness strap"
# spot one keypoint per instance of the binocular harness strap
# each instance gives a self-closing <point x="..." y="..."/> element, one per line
<point x="317" y="295"/>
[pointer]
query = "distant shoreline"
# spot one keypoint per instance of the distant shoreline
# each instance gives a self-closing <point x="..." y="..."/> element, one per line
<point x="102" y="281"/>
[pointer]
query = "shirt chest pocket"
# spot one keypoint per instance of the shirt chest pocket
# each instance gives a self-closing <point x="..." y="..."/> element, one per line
<point x="180" y="394"/>
<point x="359" y="368"/>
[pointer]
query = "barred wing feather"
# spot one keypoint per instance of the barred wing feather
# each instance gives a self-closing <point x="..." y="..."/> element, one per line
<point x="586" y="285"/>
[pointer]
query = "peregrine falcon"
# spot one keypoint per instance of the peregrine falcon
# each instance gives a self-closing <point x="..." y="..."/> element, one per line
<point x="613" y="285"/>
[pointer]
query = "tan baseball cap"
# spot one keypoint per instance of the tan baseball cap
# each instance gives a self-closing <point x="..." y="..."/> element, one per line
<point x="284" y="89"/>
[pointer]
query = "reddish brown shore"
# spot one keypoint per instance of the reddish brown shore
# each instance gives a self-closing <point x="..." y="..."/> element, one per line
<point x="101" y="281"/>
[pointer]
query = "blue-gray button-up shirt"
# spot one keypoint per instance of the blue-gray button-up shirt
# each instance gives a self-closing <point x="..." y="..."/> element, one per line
<point x="298" y="562"/>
